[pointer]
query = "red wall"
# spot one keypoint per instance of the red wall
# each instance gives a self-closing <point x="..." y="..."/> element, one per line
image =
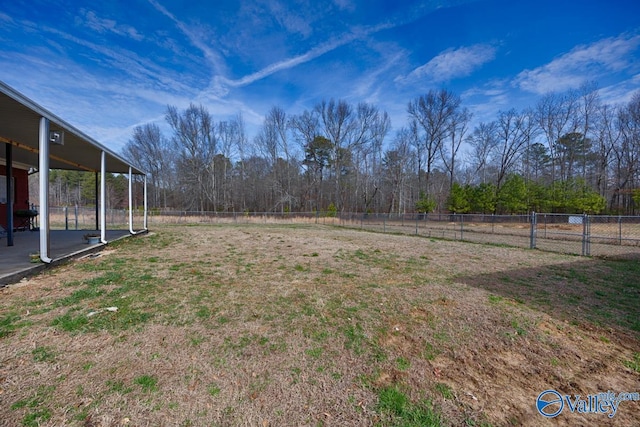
<point x="21" y="194"/>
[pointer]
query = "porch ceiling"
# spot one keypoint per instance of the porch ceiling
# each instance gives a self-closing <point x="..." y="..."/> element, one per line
<point x="19" y="126"/>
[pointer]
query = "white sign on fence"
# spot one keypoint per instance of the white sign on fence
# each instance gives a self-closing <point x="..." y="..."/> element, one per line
<point x="574" y="219"/>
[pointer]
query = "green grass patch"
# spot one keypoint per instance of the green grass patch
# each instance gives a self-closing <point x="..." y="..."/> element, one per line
<point x="213" y="390"/>
<point x="633" y="364"/>
<point x="396" y="409"/>
<point x="8" y="323"/>
<point x="80" y="295"/>
<point x="118" y="387"/>
<point x="430" y="352"/>
<point x="402" y="363"/>
<point x="314" y="353"/>
<point x="444" y="390"/>
<point x="36" y="413"/>
<point x="149" y="383"/>
<point x="43" y="354"/>
<point x="354" y="338"/>
<point x="36" y="418"/>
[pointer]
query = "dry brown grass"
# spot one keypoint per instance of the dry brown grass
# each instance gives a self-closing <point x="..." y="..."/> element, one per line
<point x="271" y="325"/>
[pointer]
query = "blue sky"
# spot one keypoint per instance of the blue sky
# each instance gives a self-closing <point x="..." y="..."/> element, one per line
<point x="109" y="66"/>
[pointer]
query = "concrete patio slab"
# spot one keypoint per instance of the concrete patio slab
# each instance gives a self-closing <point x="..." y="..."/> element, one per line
<point x="15" y="261"/>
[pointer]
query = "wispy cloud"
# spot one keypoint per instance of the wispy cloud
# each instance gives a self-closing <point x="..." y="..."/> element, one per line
<point x="452" y="64"/>
<point x="290" y="19"/>
<point x="582" y="63"/>
<point x="138" y="68"/>
<point x="622" y="92"/>
<point x="220" y="84"/>
<point x="102" y="25"/>
<point x="195" y="38"/>
<point x="344" y="4"/>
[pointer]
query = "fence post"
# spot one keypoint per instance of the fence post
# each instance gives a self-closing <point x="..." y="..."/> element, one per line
<point x="66" y="217"/>
<point x="384" y="224"/>
<point x="620" y="229"/>
<point x="76" y="215"/>
<point x="417" y="216"/>
<point x="586" y="239"/>
<point x="461" y="226"/>
<point x="532" y="235"/>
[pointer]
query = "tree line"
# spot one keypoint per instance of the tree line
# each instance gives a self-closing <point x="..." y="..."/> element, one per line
<point x="570" y="152"/>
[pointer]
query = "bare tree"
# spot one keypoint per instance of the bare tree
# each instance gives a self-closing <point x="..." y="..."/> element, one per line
<point x="482" y="140"/>
<point x="556" y="116"/>
<point x="347" y="129"/>
<point x="273" y="142"/>
<point x="149" y="150"/>
<point x="511" y="139"/>
<point x="194" y="143"/>
<point x="458" y="127"/>
<point x="588" y="106"/>
<point x="396" y="170"/>
<point x="627" y="153"/>
<point x="432" y="114"/>
<point x="607" y="138"/>
<point x="374" y="126"/>
<point x="230" y="135"/>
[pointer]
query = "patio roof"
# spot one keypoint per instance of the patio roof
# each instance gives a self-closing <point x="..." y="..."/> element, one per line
<point x="19" y="126"/>
<point x="36" y="138"/>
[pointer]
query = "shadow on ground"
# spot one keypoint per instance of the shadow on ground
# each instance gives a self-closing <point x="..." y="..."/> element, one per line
<point x="593" y="292"/>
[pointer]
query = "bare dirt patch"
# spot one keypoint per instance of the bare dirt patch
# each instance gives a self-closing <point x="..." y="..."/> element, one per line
<point x="273" y="325"/>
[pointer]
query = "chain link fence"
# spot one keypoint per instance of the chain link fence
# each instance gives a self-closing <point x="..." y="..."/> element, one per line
<point x="587" y="235"/>
<point x="86" y="218"/>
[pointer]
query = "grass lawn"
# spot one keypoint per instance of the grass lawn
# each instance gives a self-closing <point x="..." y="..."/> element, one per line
<point x="269" y="325"/>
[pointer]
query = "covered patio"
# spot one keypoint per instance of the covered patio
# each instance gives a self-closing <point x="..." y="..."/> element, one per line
<point x="36" y="140"/>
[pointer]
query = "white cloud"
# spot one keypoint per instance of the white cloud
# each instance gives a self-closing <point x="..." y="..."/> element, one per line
<point x="345" y="5"/>
<point x="102" y="25"/>
<point x="292" y="22"/>
<point x="194" y="37"/>
<point x="218" y="82"/>
<point x="620" y="93"/>
<point x="452" y="63"/>
<point x="581" y="64"/>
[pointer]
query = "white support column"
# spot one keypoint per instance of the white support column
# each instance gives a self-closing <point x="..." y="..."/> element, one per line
<point x="131" y="202"/>
<point x="43" y="169"/>
<point x="103" y="197"/>
<point x="145" y="203"/>
<point x="131" y="230"/>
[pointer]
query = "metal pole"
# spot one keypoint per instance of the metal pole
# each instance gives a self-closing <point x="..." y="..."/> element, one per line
<point x="532" y="235"/>
<point x="587" y="235"/>
<point x="97" y="189"/>
<point x="131" y="202"/>
<point x="619" y="229"/>
<point x="43" y="168"/>
<point x="66" y="217"/>
<point x="103" y="197"/>
<point x="584" y="234"/>
<point x="9" y="176"/>
<point x="146" y="204"/>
